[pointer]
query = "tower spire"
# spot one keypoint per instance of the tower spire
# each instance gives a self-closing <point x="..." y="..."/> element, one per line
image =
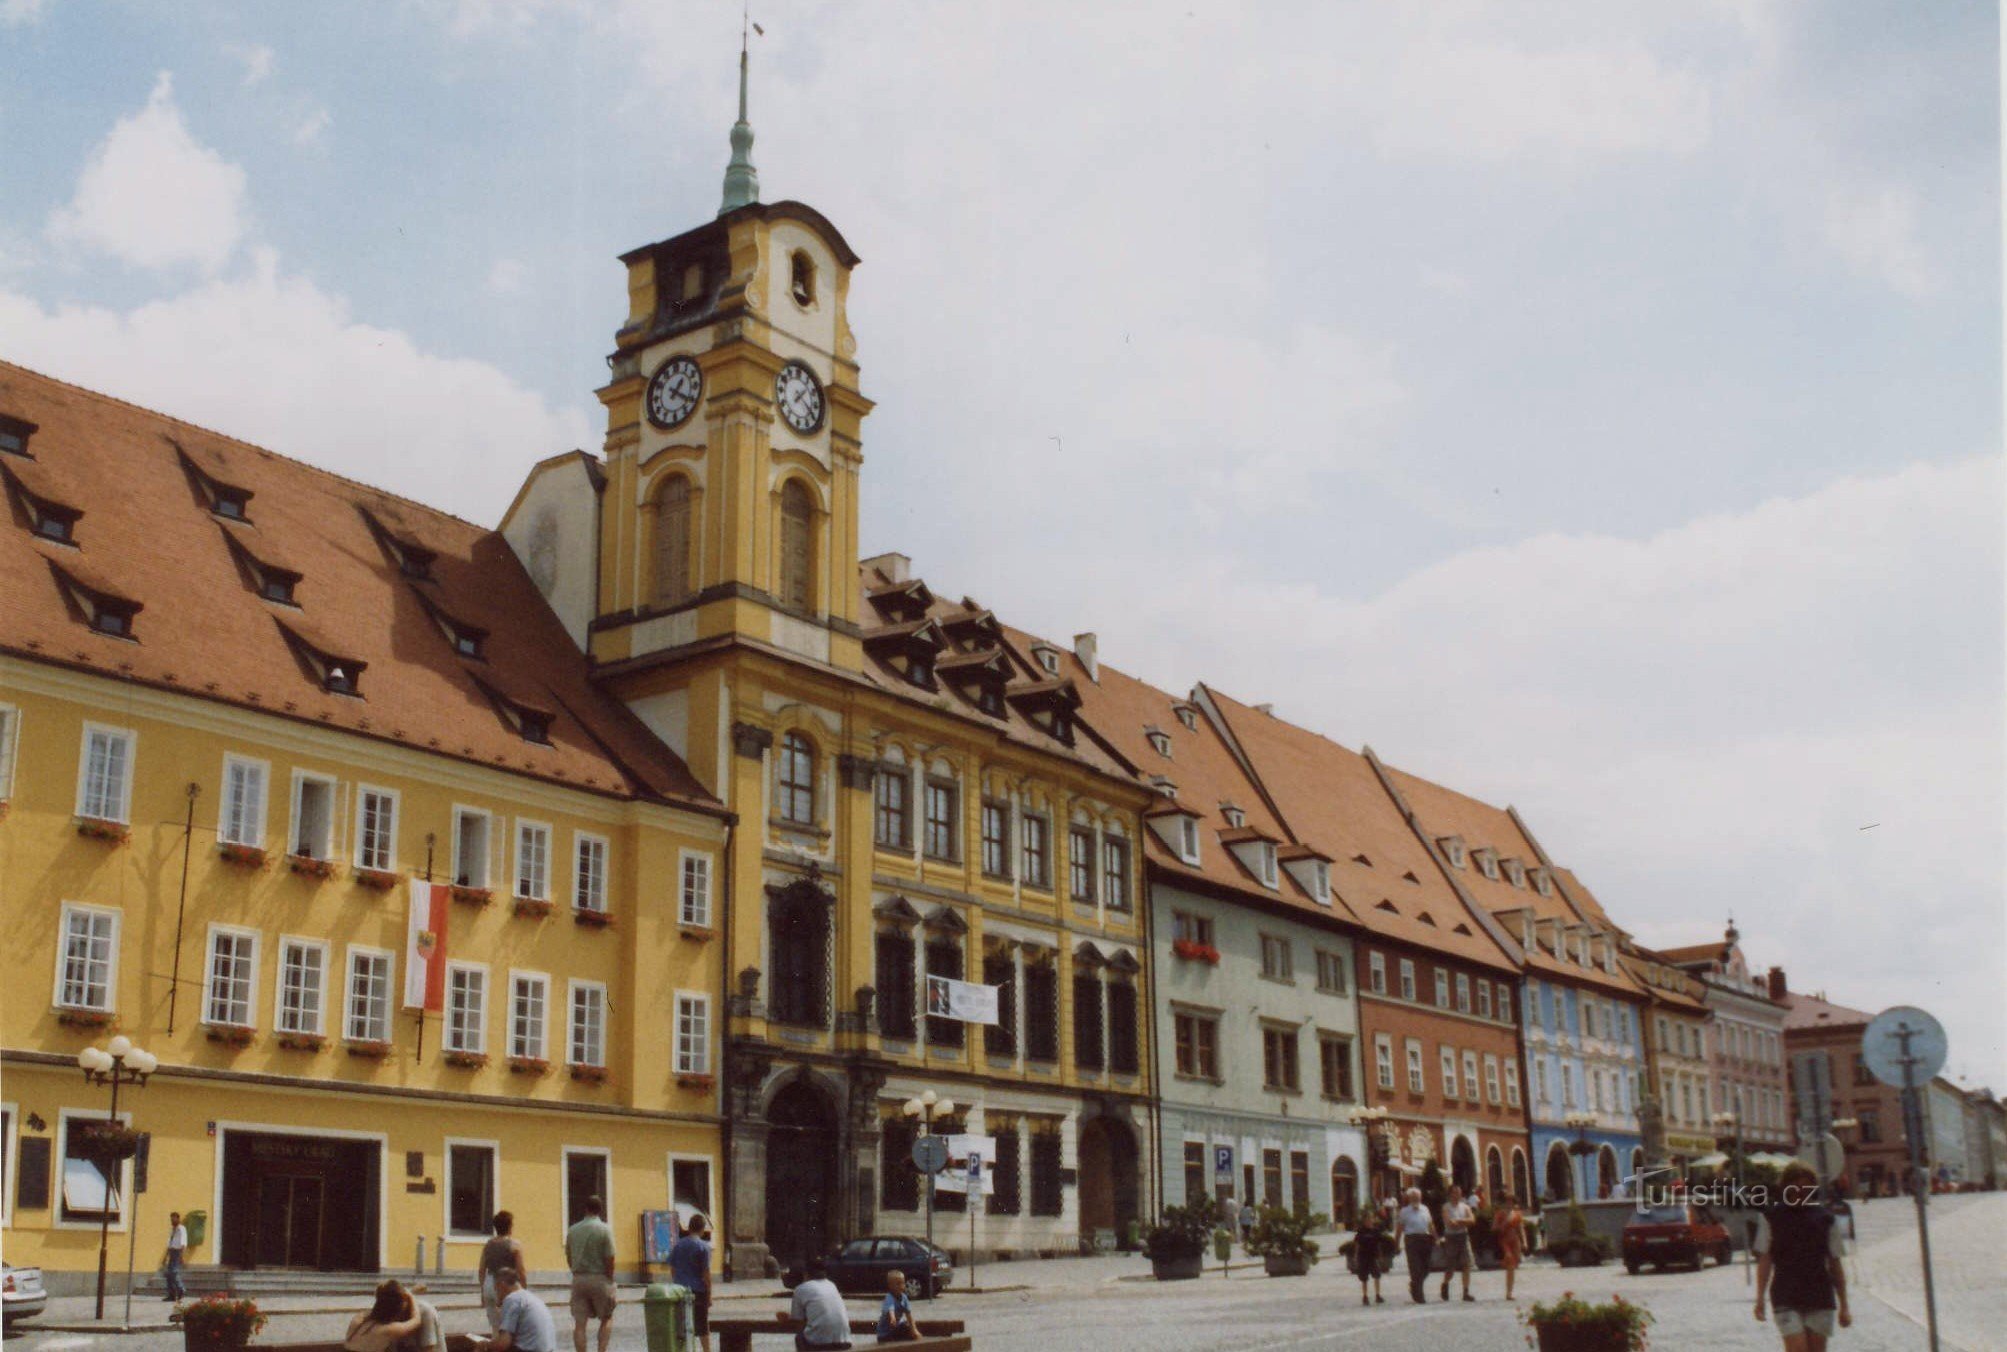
<point x="742" y="181"/>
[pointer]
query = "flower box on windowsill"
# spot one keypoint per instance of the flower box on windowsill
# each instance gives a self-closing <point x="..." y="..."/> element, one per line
<point x="471" y="896"/>
<point x="701" y="933"/>
<point x="368" y="1049"/>
<point x="532" y="907"/>
<point x="590" y="918"/>
<point x="1191" y="950"/>
<point x="244" y="856"/>
<point x="309" y="867"/>
<point x="376" y="879"/>
<point x="686" y="1079"/>
<point x="86" y="1018"/>
<point x="467" y="1060"/>
<point x="97" y="828"/>
<point x="302" y="1042"/>
<point x="6" y="804"/>
<point x="589" y="1074"/>
<point x="230" y="1034"/>
<point x="529" y="1065"/>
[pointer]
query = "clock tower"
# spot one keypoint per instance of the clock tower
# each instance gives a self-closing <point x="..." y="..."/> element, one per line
<point x="729" y="512"/>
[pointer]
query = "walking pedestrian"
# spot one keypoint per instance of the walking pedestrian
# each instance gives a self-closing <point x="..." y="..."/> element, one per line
<point x="1370" y="1245"/>
<point x="1247" y="1220"/>
<point x="690" y="1268"/>
<point x="1508" y="1227"/>
<point x="177" y="1247"/>
<point x="1458" y="1218"/>
<point x="588" y="1249"/>
<point x="1418" y="1238"/>
<point x="501" y="1251"/>
<point x="1798" y="1251"/>
<point x="527" y="1323"/>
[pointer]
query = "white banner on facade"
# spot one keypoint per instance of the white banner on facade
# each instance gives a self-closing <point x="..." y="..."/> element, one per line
<point x="962" y="1000"/>
<point x="961" y="1149"/>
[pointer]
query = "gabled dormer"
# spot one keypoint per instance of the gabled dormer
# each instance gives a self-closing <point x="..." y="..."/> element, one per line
<point x="1486" y="860"/>
<point x="1543" y="880"/>
<point x="225" y="501"/>
<point x="1514" y="870"/>
<point x="102" y="609"/>
<point x="272" y="581"/>
<point x="1047" y="656"/>
<point x="45" y="517"/>
<point x="1049" y="705"/>
<point x="1453" y="850"/>
<point x="331" y="671"/>
<point x="1178" y="827"/>
<point x="978" y="676"/>
<point x="1310" y="869"/>
<point x="15" y="434"/>
<point x="1255" y="851"/>
<point x="1160" y="741"/>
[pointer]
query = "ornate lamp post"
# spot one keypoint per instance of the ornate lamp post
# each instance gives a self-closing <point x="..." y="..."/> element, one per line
<point x="117" y="1063"/>
<point x="926" y="1108"/>
<point x="1379" y="1158"/>
<point x="1579" y="1123"/>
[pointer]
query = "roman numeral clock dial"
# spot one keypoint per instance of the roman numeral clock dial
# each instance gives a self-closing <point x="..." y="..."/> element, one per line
<point x="673" y="393"/>
<point x="799" y="395"/>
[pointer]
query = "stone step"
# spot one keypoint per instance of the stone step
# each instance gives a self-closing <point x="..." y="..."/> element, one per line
<point x="293" y="1283"/>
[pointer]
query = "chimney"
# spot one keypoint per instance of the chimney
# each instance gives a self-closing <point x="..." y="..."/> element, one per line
<point x="1087" y="648"/>
<point x="895" y="567"/>
<point x="1777" y="987"/>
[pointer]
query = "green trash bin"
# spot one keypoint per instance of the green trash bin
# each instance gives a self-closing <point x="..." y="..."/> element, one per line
<point x="197" y="1225"/>
<point x="666" y="1310"/>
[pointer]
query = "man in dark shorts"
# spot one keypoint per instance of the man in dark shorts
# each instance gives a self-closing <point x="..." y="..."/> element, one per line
<point x="690" y="1268"/>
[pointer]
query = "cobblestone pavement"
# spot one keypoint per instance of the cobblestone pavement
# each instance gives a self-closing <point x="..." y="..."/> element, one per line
<point x="1109" y="1305"/>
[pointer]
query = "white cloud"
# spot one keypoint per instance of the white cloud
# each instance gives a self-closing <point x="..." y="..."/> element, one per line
<point x="154" y="196"/>
<point x="1874" y="232"/>
<point x="256" y="59"/>
<point x="507" y="276"/>
<point x="310" y="127"/>
<point x="278" y="361"/>
<point x="20" y="13"/>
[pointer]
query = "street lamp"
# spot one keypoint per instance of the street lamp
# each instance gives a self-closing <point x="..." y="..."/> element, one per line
<point x="926" y="1108"/>
<point x="117" y="1063"/>
<point x="1579" y="1123"/>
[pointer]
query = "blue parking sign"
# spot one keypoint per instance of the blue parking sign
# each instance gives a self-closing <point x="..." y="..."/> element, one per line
<point x="1223" y="1162"/>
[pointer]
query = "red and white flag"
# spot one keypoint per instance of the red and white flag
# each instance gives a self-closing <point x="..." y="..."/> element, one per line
<point x="425" y="948"/>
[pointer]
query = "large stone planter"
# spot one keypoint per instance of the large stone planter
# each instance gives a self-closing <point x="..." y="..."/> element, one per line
<point x="1168" y="1269"/>
<point x="1295" y="1265"/>
<point x="1554" y="1338"/>
<point x="193" y="1341"/>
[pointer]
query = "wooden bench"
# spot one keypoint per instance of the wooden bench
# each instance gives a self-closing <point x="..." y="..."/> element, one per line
<point x="455" y="1342"/>
<point x="936" y="1335"/>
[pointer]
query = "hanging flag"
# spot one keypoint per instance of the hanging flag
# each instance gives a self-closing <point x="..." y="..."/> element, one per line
<point x="425" y="948"/>
<point x="965" y="1001"/>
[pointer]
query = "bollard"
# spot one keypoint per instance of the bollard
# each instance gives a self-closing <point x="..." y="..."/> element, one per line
<point x="665" y="1310"/>
<point x="439" y="1258"/>
<point x="418" y="1259"/>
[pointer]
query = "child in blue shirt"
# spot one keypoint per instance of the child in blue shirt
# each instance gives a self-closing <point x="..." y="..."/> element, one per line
<point x="895" y="1315"/>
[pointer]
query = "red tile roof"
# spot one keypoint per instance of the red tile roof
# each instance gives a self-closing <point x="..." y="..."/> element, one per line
<point x="1809" y="1011"/>
<point x="147" y="533"/>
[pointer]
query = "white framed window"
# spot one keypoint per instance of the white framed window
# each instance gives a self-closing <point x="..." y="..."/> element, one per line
<point x="529" y="1015"/>
<point x="87" y="967"/>
<point x="466" y="1007"/>
<point x="313" y="816"/>
<point x="1470" y="1076"/>
<point x="369" y="973"/>
<point x="1376" y="972"/>
<point x="87" y="1195"/>
<point x="472" y="1168"/>
<point x="589" y="871"/>
<point x="473" y="832"/>
<point x="694" y="902"/>
<point x="1320" y="880"/>
<point x="1407" y="978"/>
<point x="10" y="736"/>
<point x="1567" y="1084"/>
<point x="533" y="861"/>
<point x="1462" y="993"/>
<point x="1449" y="1071"/>
<point x="1265" y="859"/>
<point x="1491" y="1079"/>
<point x="376" y="829"/>
<point x="1512" y="1084"/>
<point x="240" y="817"/>
<point x="1416" y="1082"/>
<point x="693" y="1034"/>
<point x="1442" y="989"/>
<point x="303" y="977"/>
<point x="230" y="991"/>
<point x="587" y="1043"/>
<point x="1383" y="1059"/>
<point x="104" y="773"/>
<point x="690" y="1185"/>
<point x="1188" y="839"/>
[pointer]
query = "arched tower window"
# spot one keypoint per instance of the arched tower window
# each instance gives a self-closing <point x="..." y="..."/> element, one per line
<point x="794" y="781"/>
<point x="802" y="282"/>
<point x="797" y="534"/>
<point x="672" y="541"/>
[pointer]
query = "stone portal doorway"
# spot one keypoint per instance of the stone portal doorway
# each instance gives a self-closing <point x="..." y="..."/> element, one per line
<point x="1463" y="1165"/>
<point x="802" y="1147"/>
<point x="1110" y="1182"/>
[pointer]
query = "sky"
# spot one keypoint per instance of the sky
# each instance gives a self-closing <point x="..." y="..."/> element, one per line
<point x="1595" y="407"/>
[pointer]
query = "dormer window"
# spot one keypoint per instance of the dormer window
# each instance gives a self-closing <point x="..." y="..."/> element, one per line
<point x="1515" y="872"/>
<point x="1048" y="658"/>
<point x="467" y="640"/>
<point x="1235" y="817"/>
<point x="535" y="726"/>
<point x="277" y="584"/>
<point x="341" y="677"/>
<point x="103" y="611"/>
<point x="52" y="520"/>
<point x="14" y="435"/>
<point x="1452" y="847"/>
<point x="1264" y="856"/>
<point x="1188" y="716"/>
<point x="1320" y="880"/>
<point x="1543" y="882"/>
<point x="414" y="562"/>
<point x="693" y="281"/>
<point x="920" y="669"/>
<point x="801" y="285"/>
<point x="232" y="504"/>
<point x="1160" y="742"/>
<point x="1188" y="839"/>
<point x="1487" y="863"/>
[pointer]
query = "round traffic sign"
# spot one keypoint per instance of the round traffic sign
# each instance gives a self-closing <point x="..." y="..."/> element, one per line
<point x="930" y="1154"/>
<point x="1826" y="1155"/>
<point x="1899" y="1035"/>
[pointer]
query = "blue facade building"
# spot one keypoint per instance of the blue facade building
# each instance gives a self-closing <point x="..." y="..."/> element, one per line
<point x="1585" y="1058"/>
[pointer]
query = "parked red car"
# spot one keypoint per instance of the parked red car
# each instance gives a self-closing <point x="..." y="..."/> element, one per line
<point x="1678" y="1233"/>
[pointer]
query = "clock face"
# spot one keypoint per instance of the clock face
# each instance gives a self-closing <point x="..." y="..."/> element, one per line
<point x="799" y="395"/>
<point x="673" y="393"/>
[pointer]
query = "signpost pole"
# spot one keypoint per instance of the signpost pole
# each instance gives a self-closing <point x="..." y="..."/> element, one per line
<point x="1920" y="1172"/>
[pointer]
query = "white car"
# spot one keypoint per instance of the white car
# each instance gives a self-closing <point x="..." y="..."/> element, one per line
<point x="21" y="1293"/>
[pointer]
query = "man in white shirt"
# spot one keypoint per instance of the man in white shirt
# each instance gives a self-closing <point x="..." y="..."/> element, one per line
<point x="526" y="1322"/>
<point x="177" y="1246"/>
<point x="1418" y="1241"/>
<point x="1458" y="1218"/>
<point x="819" y="1305"/>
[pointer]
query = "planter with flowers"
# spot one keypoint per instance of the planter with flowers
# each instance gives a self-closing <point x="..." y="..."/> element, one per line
<point x="1281" y="1239"/>
<point x="99" y="828"/>
<point x="106" y="1143"/>
<point x="230" y="1034"/>
<point x="592" y="918"/>
<point x="471" y="896"/>
<point x="589" y="1074"/>
<point x="86" y="1018"/>
<point x="1574" y="1325"/>
<point x="243" y="856"/>
<point x="1176" y="1244"/>
<point x="302" y="1042"/>
<point x="219" y="1323"/>
<point x="369" y="1049"/>
<point x="536" y="908"/>
<point x="529" y="1065"/>
<point x="309" y="867"/>
<point x="1191" y="950"/>
<point x="467" y="1060"/>
<point x="692" y="1079"/>
<point x="376" y="879"/>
